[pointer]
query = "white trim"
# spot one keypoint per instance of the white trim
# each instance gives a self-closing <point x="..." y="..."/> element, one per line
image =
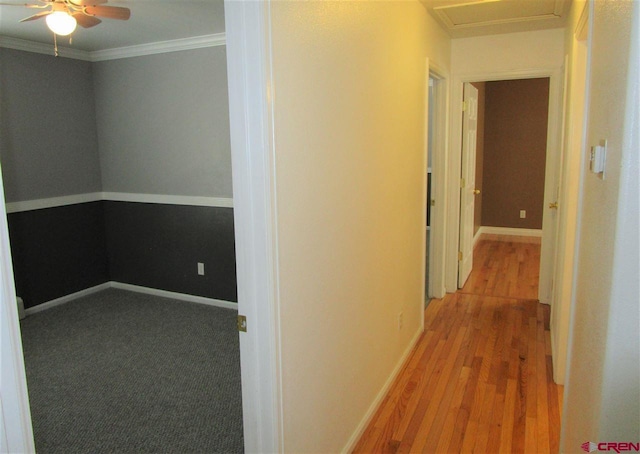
<point x="42" y="48"/>
<point x="439" y="159"/>
<point x="161" y="47"/>
<point x="383" y="391"/>
<point x="220" y="202"/>
<point x="53" y="202"/>
<point x="16" y="433"/>
<point x="509" y="231"/>
<point x="66" y="298"/>
<point x="131" y="288"/>
<point x="476" y="237"/>
<point x="251" y="98"/>
<point x="175" y="295"/>
<point x="424" y="245"/>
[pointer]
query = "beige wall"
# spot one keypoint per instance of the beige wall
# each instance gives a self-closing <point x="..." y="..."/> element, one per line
<point x="508" y="52"/>
<point x="515" y="147"/>
<point x="350" y="173"/>
<point x="602" y="401"/>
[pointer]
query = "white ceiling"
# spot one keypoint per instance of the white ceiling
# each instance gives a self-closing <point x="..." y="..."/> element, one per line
<point x="151" y="21"/>
<point x="466" y="18"/>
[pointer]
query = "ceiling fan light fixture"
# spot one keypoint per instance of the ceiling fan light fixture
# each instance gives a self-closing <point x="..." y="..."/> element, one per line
<point x="61" y="23"/>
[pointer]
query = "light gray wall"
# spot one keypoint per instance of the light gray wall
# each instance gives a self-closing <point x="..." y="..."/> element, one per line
<point x="163" y="123"/>
<point x="48" y="141"/>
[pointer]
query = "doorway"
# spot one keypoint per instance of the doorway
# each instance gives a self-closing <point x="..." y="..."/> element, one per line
<point x="553" y="146"/>
<point x="53" y="260"/>
<point x="430" y="119"/>
<point x="435" y="194"/>
<point x="505" y="128"/>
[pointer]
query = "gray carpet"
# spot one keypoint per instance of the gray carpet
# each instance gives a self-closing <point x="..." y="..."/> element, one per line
<point x="119" y="372"/>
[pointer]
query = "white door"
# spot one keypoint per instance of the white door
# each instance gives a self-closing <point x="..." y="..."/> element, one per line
<point x="467" y="181"/>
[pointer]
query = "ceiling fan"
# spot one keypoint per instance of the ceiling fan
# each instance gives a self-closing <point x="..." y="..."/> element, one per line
<point x="62" y="16"/>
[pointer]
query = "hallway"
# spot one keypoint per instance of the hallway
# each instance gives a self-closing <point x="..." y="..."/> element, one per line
<point x="479" y="379"/>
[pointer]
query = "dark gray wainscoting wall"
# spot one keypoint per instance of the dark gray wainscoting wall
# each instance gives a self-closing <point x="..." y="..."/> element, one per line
<point x="58" y="251"/>
<point x="63" y="250"/>
<point x="159" y="246"/>
<point x="151" y="125"/>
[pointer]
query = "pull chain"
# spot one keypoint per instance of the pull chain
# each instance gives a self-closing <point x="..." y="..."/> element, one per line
<point x="55" y="44"/>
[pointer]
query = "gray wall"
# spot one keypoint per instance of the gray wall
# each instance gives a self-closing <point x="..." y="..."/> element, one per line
<point x="160" y="125"/>
<point x="156" y="136"/>
<point x="48" y="141"/>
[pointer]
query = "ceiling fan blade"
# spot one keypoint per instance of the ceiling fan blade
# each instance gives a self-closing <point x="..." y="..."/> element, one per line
<point x="36" y="16"/>
<point x="86" y="21"/>
<point x="87" y="2"/>
<point x="111" y="12"/>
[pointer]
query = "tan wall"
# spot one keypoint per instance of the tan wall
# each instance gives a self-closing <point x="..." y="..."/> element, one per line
<point x="350" y="81"/>
<point x="515" y="143"/>
<point x="477" y="213"/>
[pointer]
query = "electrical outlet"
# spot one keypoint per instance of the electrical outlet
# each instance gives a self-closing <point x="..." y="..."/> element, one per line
<point x="400" y="320"/>
<point x="523" y="214"/>
<point x="200" y="269"/>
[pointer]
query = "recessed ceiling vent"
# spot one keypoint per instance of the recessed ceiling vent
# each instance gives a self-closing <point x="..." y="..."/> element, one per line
<point x="471" y="18"/>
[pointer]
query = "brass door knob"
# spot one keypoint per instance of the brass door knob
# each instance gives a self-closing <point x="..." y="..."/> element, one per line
<point x="476" y="191"/>
<point x="553" y="205"/>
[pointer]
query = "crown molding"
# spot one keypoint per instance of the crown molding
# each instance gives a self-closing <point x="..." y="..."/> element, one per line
<point x="161" y="47"/>
<point x="42" y="48"/>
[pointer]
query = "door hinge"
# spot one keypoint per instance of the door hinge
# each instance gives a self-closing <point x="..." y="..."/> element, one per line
<point x="433" y="202"/>
<point x="459" y="256"/>
<point x="464" y="106"/>
<point x="242" y="323"/>
<point x="462" y="183"/>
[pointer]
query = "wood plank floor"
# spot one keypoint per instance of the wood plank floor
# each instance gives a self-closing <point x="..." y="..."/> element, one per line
<point x="479" y="379"/>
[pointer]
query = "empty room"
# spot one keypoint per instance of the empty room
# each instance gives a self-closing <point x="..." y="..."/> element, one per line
<point x="117" y="178"/>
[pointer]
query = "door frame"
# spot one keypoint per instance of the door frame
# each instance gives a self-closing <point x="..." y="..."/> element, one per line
<point x="553" y="153"/>
<point x="575" y="139"/>
<point x="439" y="175"/>
<point x="251" y="97"/>
<point x="16" y="432"/>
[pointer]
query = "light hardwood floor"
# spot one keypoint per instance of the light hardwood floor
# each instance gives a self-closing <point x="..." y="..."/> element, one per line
<point x="479" y="379"/>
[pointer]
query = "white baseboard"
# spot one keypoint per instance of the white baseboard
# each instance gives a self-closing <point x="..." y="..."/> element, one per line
<point x="476" y="237"/>
<point x="67" y="298"/>
<point x="131" y="288"/>
<point x="508" y="231"/>
<point x="175" y="295"/>
<point x="381" y="395"/>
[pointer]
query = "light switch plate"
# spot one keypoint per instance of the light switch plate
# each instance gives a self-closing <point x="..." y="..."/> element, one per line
<point x="597" y="158"/>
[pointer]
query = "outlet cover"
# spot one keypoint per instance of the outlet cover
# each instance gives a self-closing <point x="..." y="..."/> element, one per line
<point x="523" y="214"/>
<point x="200" y="269"/>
